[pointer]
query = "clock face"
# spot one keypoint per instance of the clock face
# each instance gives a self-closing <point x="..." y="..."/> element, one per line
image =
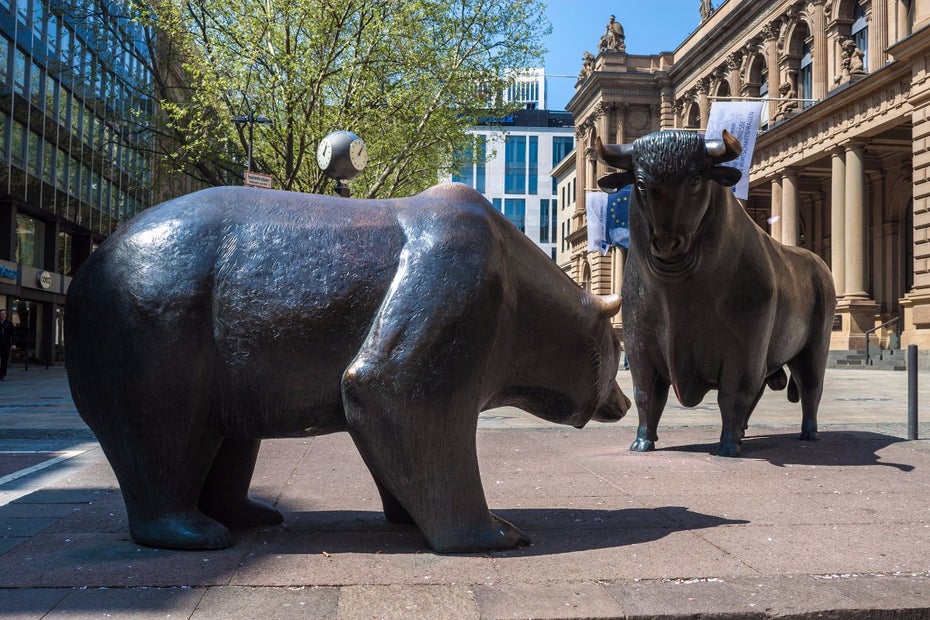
<point x="358" y="154"/>
<point x="324" y="154"/>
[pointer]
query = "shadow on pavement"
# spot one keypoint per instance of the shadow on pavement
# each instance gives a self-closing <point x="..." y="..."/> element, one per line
<point x="552" y="530"/>
<point x="833" y="448"/>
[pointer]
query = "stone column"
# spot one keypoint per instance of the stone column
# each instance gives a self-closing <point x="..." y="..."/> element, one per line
<point x="703" y="103"/>
<point x="877" y="16"/>
<point x="855" y="222"/>
<point x="776" y="227"/>
<point x="621" y="111"/>
<point x="667" y="95"/>
<point x="820" y="46"/>
<point x="581" y="168"/>
<point x="789" y="207"/>
<point x="770" y="32"/>
<point x="616" y="283"/>
<point x="838" y="220"/>
<point x="733" y="62"/>
<point x="856" y="310"/>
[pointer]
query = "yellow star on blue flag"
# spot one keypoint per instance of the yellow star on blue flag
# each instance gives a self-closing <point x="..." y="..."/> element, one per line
<point x="618" y="218"/>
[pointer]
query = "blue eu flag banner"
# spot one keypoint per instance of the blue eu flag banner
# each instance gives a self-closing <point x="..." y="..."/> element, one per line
<point x="617" y="219"/>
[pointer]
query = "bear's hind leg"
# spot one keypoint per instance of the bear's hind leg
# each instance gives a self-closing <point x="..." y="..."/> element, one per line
<point x="162" y="508"/>
<point x="225" y="495"/>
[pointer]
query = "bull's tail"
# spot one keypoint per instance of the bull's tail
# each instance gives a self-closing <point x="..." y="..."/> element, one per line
<point x="793" y="395"/>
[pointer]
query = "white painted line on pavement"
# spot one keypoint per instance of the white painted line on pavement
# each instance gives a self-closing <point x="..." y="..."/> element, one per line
<point x="63" y="456"/>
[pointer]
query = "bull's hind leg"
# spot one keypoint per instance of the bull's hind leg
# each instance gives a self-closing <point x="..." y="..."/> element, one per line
<point x="225" y="495"/>
<point x="807" y="371"/>
<point x="650" y="393"/>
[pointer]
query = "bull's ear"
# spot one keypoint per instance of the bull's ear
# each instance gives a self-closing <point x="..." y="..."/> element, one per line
<point x="725" y="175"/>
<point x="614" y="182"/>
<point x="608" y="305"/>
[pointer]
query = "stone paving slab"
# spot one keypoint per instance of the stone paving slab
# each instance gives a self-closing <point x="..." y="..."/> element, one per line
<point x="838" y="528"/>
<point x="677" y="533"/>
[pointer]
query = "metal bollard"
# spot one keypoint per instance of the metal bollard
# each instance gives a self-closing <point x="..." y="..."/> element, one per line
<point x="912" y="391"/>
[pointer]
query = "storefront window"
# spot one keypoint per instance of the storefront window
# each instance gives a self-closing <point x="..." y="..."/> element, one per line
<point x="28" y="240"/>
<point x="65" y="245"/>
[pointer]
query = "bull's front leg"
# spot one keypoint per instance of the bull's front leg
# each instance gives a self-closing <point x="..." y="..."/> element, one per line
<point x="735" y="409"/>
<point x="650" y="392"/>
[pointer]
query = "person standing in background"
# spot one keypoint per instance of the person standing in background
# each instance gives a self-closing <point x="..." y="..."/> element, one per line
<point x="6" y="343"/>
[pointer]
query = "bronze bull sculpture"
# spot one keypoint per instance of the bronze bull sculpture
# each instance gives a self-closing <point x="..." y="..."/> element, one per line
<point x="231" y="315"/>
<point x="710" y="301"/>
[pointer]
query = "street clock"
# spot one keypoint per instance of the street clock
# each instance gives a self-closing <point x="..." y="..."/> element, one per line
<point x="342" y="155"/>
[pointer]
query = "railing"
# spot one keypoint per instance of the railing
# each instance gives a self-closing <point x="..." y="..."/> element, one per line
<point x="868" y="353"/>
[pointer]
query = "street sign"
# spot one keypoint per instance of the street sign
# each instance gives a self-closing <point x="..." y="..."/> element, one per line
<point x="254" y="179"/>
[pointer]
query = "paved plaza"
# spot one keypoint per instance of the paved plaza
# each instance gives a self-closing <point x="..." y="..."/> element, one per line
<point x="838" y="528"/>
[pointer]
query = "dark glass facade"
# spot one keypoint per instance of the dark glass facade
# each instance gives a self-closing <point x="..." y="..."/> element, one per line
<point x="75" y="90"/>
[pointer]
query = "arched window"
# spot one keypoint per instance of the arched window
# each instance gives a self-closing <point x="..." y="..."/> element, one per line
<point x="694" y="116"/>
<point x="806" y="74"/>
<point x="860" y="33"/>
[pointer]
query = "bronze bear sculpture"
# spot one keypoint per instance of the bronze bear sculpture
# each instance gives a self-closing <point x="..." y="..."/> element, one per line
<point x="710" y="300"/>
<point x="232" y="315"/>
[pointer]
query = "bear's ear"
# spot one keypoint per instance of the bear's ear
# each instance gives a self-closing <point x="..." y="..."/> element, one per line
<point x="613" y="183"/>
<point x="725" y="175"/>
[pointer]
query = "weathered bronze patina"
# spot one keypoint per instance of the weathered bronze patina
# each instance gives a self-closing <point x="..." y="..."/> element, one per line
<point x="710" y="301"/>
<point x="231" y="315"/>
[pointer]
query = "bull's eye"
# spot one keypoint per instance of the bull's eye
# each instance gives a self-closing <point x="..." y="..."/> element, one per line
<point x="640" y="186"/>
<point x="694" y="182"/>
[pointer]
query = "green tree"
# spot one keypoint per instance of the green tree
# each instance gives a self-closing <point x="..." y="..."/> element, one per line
<point x="408" y="77"/>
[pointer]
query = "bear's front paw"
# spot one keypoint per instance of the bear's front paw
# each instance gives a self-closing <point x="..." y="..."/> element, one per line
<point x="497" y="534"/>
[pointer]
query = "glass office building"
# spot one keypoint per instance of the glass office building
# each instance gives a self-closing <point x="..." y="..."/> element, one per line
<point x="73" y="165"/>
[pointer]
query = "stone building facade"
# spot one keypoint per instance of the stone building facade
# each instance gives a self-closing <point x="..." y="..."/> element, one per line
<point x="841" y="164"/>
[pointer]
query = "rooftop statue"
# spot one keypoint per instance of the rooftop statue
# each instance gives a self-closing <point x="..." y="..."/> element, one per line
<point x="613" y="39"/>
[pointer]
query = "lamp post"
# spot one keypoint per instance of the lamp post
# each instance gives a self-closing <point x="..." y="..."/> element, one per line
<point x="251" y="119"/>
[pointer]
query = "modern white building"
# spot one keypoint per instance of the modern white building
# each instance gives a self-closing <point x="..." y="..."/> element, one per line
<point x="514" y="161"/>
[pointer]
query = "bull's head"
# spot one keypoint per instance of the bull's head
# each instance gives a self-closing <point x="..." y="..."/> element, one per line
<point x="674" y="174"/>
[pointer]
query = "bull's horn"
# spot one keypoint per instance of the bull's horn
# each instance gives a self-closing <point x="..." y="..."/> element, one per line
<point x="616" y="155"/>
<point x="608" y="305"/>
<point x="727" y="148"/>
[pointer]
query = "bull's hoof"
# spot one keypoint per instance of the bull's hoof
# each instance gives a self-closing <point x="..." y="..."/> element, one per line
<point x="728" y="449"/>
<point x="808" y="431"/>
<point x="642" y="445"/>
<point x="191" y="531"/>
<point x="498" y="535"/>
<point x="247" y="513"/>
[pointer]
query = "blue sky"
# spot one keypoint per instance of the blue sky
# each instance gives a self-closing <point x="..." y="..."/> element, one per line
<point x="650" y="26"/>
